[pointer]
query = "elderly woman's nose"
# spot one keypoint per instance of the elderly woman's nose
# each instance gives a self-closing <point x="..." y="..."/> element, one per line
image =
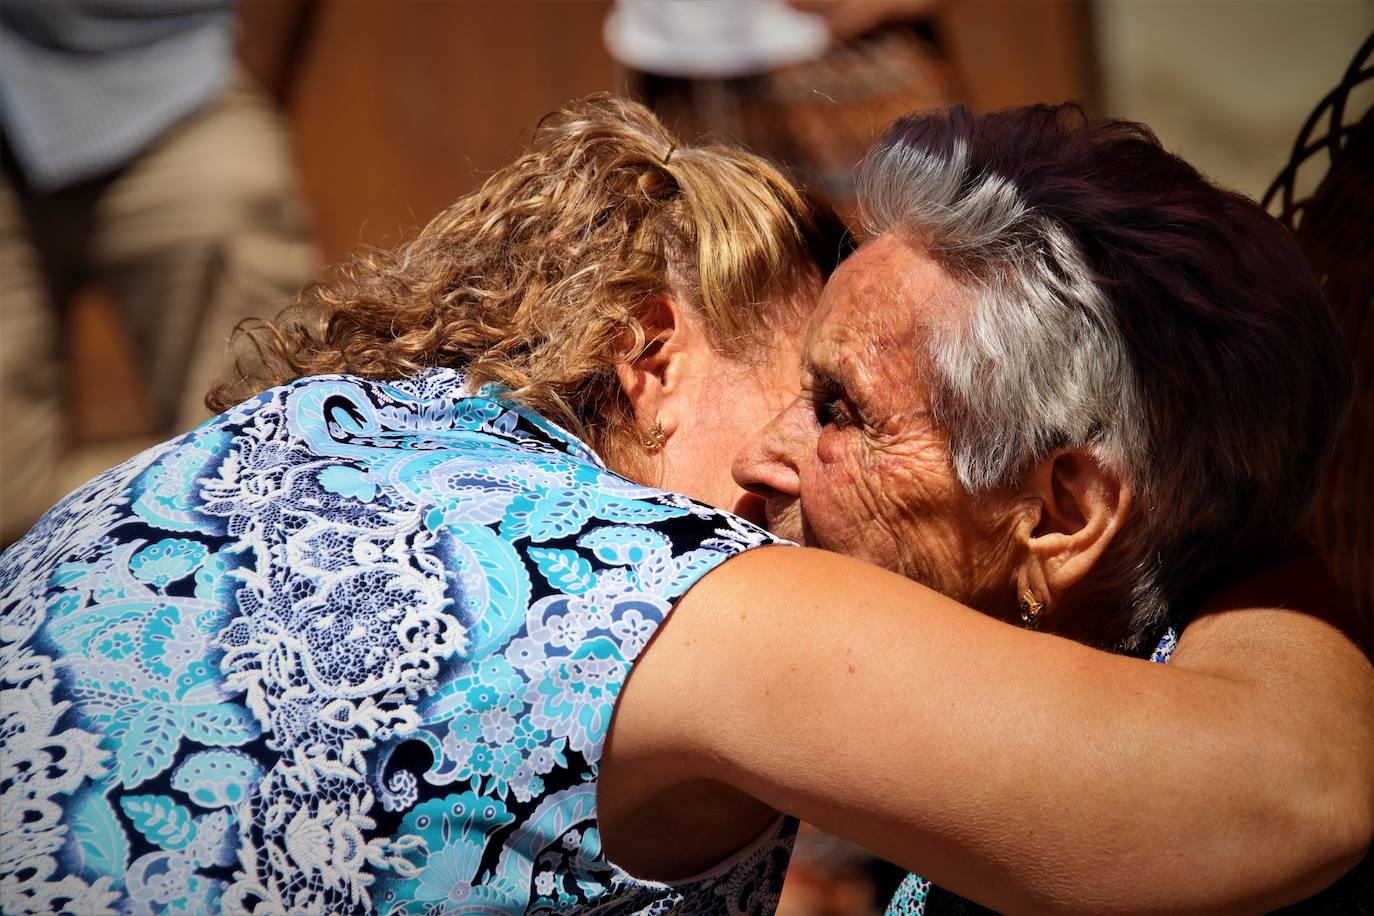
<point x="769" y="462"/>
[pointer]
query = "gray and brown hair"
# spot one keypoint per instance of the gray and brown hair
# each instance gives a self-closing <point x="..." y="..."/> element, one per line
<point x="1127" y="306"/>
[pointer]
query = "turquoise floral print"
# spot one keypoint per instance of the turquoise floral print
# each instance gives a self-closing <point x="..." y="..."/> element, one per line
<point x="349" y="647"/>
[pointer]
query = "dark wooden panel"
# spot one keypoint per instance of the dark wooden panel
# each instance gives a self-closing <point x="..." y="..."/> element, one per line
<point x="1014" y="52"/>
<point x="399" y="107"/>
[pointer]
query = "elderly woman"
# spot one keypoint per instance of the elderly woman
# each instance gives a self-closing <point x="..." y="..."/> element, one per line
<point x="1067" y="381"/>
<point x="365" y="640"/>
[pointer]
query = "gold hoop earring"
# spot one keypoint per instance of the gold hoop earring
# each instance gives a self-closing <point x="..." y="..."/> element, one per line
<point x="654" y="437"/>
<point x="1030" y="609"/>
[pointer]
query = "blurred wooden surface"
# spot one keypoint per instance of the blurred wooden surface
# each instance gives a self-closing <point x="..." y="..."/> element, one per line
<point x="400" y="107"/>
<point x="1014" y="52"/>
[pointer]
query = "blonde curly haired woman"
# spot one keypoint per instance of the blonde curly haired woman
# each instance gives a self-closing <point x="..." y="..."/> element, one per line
<point x="363" y="642"/>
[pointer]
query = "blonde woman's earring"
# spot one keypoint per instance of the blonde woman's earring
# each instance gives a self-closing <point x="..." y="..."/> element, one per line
<point x="654" y="437"/>
<point x="1030" y="609"/>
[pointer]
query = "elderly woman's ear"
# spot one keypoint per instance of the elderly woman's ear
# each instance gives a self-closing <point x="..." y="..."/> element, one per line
<point x="1075" y="507"/>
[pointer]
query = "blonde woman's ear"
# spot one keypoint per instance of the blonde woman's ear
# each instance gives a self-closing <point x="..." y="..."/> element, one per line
<point x="651" y="377"/>
<point x="642" y="389"/>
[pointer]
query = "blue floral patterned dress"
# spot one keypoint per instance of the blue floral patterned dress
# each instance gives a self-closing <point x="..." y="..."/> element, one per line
<point x="348" y="647"/>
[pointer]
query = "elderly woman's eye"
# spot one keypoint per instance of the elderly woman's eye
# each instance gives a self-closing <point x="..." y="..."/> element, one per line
<point x="831" y="410"/>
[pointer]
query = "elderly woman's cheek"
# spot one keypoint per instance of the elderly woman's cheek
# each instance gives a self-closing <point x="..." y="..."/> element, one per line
<point x="876" y="517"/>
<point x="831" y="445"/>
<point x="912" y="503"/>
<point x="832" y="495"/>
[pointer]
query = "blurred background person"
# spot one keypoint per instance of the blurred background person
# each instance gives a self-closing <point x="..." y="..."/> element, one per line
<point x="806" y="84"/>
<point x="141" y="160"/>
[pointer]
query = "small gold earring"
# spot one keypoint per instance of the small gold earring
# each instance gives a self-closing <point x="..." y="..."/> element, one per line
<point x="1030" y="609"/>
<point x="654" y="437"/>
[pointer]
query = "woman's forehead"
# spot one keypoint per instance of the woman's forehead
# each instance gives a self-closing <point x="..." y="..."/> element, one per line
<point x="875" y="313"/>
<point x="859" y="293"/>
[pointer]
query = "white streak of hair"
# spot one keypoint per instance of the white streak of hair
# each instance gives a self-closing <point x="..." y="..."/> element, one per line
<point x="1040" y="363"/>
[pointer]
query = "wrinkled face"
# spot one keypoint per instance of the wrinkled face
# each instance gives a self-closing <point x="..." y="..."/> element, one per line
<point x="855" y="464"/>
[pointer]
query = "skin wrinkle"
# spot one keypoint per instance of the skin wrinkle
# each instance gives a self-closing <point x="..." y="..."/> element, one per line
<point x="881" y="484"/>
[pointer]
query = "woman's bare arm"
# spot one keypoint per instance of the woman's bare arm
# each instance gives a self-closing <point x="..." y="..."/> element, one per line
<point x="1019" y="769"/>
<point x="1300" y="651"/>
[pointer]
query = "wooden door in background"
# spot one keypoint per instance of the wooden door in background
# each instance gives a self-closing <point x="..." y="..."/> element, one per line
<point x="402" y="107"/>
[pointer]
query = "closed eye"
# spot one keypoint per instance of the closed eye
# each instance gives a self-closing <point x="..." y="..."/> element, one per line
<point x="835" y="412"/>
<point x="832" y="408"/>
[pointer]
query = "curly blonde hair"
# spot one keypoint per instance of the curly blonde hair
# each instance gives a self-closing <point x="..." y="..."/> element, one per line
<point x="538" y="281"/>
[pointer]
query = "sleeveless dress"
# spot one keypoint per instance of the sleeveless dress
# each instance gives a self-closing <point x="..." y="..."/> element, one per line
<point x="348" y="647"/>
